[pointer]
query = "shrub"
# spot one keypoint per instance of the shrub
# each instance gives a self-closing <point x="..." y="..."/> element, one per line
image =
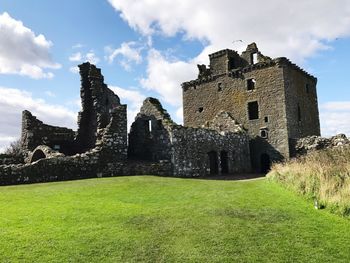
<point x="13" y="154"/>
<point x="15" y="149"/>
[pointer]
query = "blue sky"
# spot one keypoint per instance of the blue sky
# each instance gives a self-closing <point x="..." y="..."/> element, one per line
<point x="147" y="48"/>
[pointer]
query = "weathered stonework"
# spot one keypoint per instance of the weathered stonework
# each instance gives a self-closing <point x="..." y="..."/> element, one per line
<point x="35" y="133"/>
<point x="192" y="151"/>
<point x="273" y="99"/>
<point x="314" y="143"/>
<point x="242" y="111"/>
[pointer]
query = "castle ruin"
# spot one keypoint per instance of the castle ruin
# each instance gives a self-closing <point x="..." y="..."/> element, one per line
<point x="274" y="100"/>
<point x="240" y="114"/>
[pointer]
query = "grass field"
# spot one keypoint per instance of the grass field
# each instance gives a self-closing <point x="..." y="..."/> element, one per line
<point x="157" y="219"/>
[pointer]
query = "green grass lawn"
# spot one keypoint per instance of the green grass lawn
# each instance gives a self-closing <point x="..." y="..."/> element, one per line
<point x="157" y="219"/>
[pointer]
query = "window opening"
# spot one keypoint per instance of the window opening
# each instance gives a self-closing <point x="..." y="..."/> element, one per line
<point x="253" y="110"/>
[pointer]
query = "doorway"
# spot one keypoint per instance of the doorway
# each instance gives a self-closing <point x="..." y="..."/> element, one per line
<point x="213" y="162"/>
<point x="224" y="162"/>
<point x="265" y="163"/>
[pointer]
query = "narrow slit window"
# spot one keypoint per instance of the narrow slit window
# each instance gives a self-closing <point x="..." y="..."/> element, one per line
<point x="251" y="84"/>
<point x="266" y="119"/>
<point x="219" y="86"/>
<point x="307" y="88"/>
<point x="150" y="126"/>
<point x="299" y="113"/>
<point x="253" y="110"/>
<point x="254" y="58"/>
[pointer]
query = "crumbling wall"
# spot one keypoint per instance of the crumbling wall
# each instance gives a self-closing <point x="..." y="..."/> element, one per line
<point x="187" y="148"/>
<point x="113" y="139"/>
<point x="97" y="103"/>
<point x="10" y="159"/>
<point x="80" y="166"/>
<point x="313" y="143"/>
<point x="102" y="122"/>
<point x="35" y="133"/>
<point x="149" y="134"/>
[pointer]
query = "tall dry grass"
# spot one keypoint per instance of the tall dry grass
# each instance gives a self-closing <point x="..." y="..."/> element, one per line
<point x="321" y="175"/>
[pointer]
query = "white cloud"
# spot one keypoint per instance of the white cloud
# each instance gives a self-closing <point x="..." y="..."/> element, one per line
<point x="165" y="76"/>
<point x="75" y="57"/>
<point x="78" y="45"/>
<point x="22" y="52"/>
<point x="14" y="101"/>
<point x="129" y="53"/>
<point x="133" y="98"/>
<point x="79" y="58"/>
<point x="50" y="94"/>
<point x="296" y="29"/>
<point x="92" y="58"/>
<point x="335" y="118"/>
<point x="74" y="69"/>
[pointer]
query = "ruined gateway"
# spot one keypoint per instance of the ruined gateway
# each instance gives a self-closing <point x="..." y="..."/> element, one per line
<point x="240" y="114"/>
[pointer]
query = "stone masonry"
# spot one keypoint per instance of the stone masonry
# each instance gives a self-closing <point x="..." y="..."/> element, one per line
<point x="274" y="100"/>
<point x="192" y="151"/>
<point x="241" y="113"/>
<point x="99" y="147"/>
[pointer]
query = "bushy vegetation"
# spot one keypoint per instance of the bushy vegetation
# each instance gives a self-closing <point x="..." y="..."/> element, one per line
<point x="323" y="176"/>
<point x="13" y="153"/>
<point x="14" y="149"/>
<point x="159" y="219"/>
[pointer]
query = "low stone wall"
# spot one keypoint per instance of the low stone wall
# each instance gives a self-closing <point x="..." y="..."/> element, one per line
<point x="76" y="167"/>
<point x="10" y="159"/>
<point x="313" y="143"/>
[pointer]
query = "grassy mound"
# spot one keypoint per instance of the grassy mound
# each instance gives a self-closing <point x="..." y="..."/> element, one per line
<point x="321" y="175"/>
<point x="154" y="219"/>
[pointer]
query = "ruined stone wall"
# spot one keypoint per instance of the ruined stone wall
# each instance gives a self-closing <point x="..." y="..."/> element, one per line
<point x="149" y="134"/>
<point x="192" y="145"/>
<point x="113" y="139"/>
<point x="204" y="98"/>
<point x="97" y="103"/>
<point x="225" y="60"/>
<point x="187" y="148"/>
<point x="35" y="132"/>
<point x="309" y="144"/>
<point x="80" y="166"/>
<point x="301" y="102"/>
<point x="6" y="159"/>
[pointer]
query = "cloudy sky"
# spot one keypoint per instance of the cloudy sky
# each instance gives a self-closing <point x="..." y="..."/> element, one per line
<point x="149" y="47"/>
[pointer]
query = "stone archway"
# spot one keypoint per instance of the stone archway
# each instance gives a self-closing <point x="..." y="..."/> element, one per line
<point x="37" y="155"/>
<point x="42" y="152"/>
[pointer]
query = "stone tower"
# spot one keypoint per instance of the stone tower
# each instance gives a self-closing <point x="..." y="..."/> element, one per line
<point x="274" y="100"/>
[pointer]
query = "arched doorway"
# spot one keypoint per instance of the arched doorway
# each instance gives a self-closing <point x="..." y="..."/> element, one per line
<point x="265" y="163"/>
<point x="224" y="162"/>
<point x="213" y="162"/>
<point x="37" y="155"/>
